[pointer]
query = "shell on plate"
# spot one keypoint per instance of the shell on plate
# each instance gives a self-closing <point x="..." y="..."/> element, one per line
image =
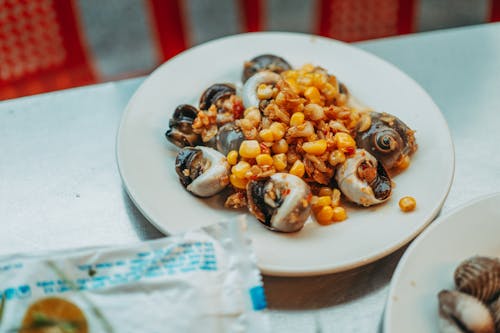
<point x="479" y="276"/>
<point x="495" y="312"/>
<point x="280" y="202"/>
<point x="462" y="313"/>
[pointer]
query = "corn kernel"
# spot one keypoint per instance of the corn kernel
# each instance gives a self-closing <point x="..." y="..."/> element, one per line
<point x="264" y="159"/>
<point x="307" y="67"/>
<point x="403" y="163"/>
<point x="344" y="141"/>
<point x="280" y="147"/>
<point x="407" y="204"/>
<point x="306" y="79"/>
<point x="266" y="135"/>
<point x="232" y="157"/>
<point x="324" y="215"/>
<point x="297" y="168"/>
<point x="240" y="169"/>
<point x="290" y="74"/>
<point x="250" y="148"/>
<point x="295" y="87"/>
<point x="336" y="157"/>
<point x="317" y="147"/>
<point x="280" y="162"/>
<point x="297" y="119"/>
<point x="240" y="183"/>
<point x="325" y="191"/>
<point x="253" y="115"/>
<point x="314" y="111"/>
<point x="278" y="130"/>
<point x="325" y="200"/>
<point x="264" y="91"/>
<point x="312" y="94"/>
<point x="329" y="91"/>
<point x="335" y="197"/>
<point x="339" y="214"/>
<point x="319" y="80"/>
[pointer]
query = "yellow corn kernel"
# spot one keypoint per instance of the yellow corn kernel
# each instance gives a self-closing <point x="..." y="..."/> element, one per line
<point x="339" y="214"/>
<point x="336" y="157"/>
<point x="280" y="162"/>
<point x="232" y="157"/>
<point x="266" y="135"/>
<point x="253" y="115"/>
<point x="290" y="74"/>
<point x="403" y="163"/>
<point x="297" y="119"/>
<point x="264" y="91"/>
<point x="324" y="215"/>
<point x="250" y="148"/>
<point x="280" y="147"/>
<point x="240" y="169"/>
<point x="325" y="200"/>
<point x="319" y="80"/>
<point x="329" y="91"/>
<point x="312" y="94"/>
<point x="295" y="87"/>
<point x="407" y="204"/>
<point x="307" y="67"/>
<point x="314" y="111"/>
<point x="278" y="130"/>
<point x="335" y="197"/>
<point x="317" y="147"/>
<point x="240" y="183"/>
<point x="306" y="79"/>
<point x="344" y="141"/>
<point x="264" y="159"/>
<point x="297" y="168"/>
<point x="325" y="191"/>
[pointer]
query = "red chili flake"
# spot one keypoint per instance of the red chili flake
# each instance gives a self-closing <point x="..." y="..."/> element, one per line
<point x="264" y="149"/>
<point x="350" y="150"/>
<point x="285" y="192"/>
<point x="238" y="109"/>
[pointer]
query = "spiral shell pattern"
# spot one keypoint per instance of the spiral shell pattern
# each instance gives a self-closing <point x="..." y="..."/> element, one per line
<point x="495" y="311"/>
<point x="479" y="277"/>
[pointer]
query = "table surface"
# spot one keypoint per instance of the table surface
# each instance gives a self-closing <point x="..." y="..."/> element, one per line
<point x="60" y="187"/>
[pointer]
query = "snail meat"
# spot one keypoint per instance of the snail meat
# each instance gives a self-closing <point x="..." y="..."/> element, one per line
<point x="203" y="171"/>
<point x="363" y="180"/>
<point x="281" y="202"/>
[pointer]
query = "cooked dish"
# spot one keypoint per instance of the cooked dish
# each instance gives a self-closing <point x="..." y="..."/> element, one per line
<point x="288" y="142"/>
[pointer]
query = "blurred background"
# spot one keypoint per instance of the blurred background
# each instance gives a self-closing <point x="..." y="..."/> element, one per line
<point x="48" y="45"/>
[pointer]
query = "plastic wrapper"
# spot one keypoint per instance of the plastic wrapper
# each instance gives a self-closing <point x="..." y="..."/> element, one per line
<point x="200" y="281"/>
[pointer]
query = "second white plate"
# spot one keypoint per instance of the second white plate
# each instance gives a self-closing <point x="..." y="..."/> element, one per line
<point x="146" y="159"/>
<point x="427" y="266"/>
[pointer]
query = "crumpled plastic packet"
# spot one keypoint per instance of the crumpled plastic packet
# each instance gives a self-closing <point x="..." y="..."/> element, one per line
<point x="199" y="281"/>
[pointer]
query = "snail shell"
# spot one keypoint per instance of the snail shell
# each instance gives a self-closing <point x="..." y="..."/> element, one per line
<point x="203" y="171"/>
<point x="280" y="202"/>
<point x="479" y="277"/>
<point x="180" y="131"/>
<point x="263" y="62"/>
<point x="495" y="311"/>
<point x="462" y="313"/>
<point x="359" y="189"/>
<point x="249" y="91"/>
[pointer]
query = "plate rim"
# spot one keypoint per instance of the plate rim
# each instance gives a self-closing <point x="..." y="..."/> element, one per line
<point x="274" y="270"/>
<point x="420" y="238"/>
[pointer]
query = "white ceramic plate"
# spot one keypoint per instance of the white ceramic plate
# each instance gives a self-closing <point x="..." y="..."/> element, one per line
<point x="427" y="266"/>
<point x="146" y="159"/>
